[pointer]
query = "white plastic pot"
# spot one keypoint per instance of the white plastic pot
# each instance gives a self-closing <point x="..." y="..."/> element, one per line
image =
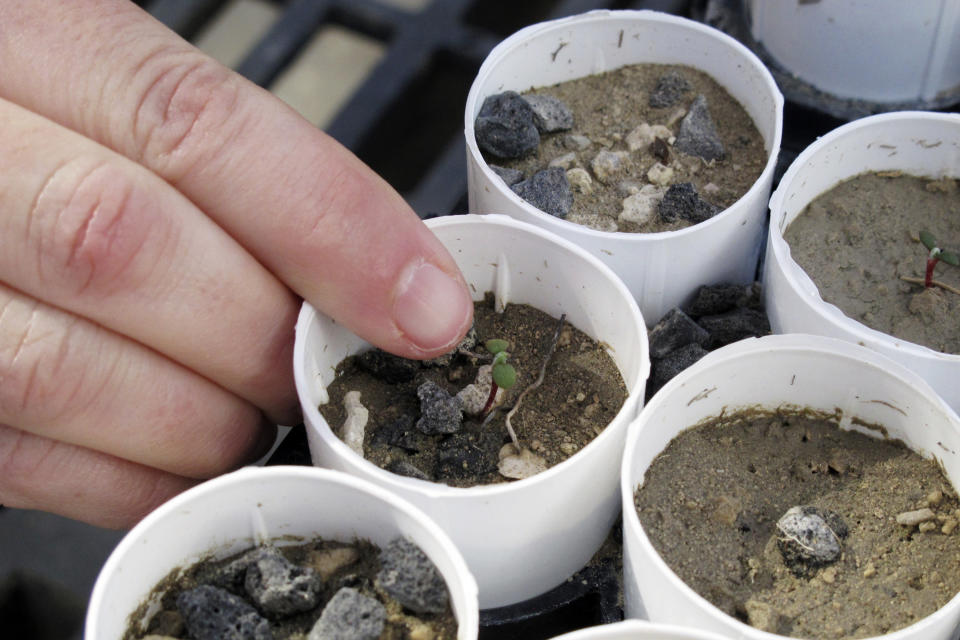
<point x="519" y="538"/>
<point x="257" y="504"/>
<point x="724" y="248"/>
<point x="638" y="630"/>
<point x="881" y="51"/>
<point x="916" y="142"/>
<point x="775" y="371"/>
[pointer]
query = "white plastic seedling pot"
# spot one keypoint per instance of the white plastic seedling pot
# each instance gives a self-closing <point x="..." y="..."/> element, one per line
<point x="816" y="372"/>
<point x="885" y="51"/>
<point x="638" y="630"/>
<point x="519" y="538"/>
<point x="259" y="504"/>
<point x="661" y="270"/>
<point x="916" y="142"/>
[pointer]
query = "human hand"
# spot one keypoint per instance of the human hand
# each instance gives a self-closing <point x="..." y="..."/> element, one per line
<point x="159" y="216"/>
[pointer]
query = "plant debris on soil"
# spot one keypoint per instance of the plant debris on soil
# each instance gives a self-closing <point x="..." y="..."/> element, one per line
<point x="419" y="424"/>
<point x="643" y="148"/>
<point x="859" y="240"/>
<point x="797" y="527"/>
<point x="307" y="591"/>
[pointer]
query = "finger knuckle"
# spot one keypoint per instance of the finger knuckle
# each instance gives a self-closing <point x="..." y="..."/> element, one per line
<point x="32" y="355"/>
<point x="18" y="462"/>
<point x="185" y="113"/>
<point x="91" y="226"/>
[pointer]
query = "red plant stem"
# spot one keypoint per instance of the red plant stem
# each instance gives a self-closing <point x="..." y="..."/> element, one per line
<point x="928" y="279"/>
<point x="490" y="399"/>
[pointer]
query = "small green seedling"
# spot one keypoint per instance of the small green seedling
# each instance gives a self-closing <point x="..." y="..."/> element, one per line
<point x="504" y="375"/>
<point x="936" y="255"/>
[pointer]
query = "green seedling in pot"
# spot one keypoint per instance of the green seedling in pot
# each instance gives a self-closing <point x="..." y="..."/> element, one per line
<point x="936" y="255"/>
<point x="520" y="462"/>
<point x="504" y="375"/>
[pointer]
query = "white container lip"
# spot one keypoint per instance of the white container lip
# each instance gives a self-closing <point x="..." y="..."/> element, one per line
<point x="733" y="352"/>
<point x="845" y="53"/>
<point x="435" y="489"/>
<point x="639" y="630"/>
<point x="794" y="273"/>
<point x="503" y="49"/>
<point x="468" y="619"/>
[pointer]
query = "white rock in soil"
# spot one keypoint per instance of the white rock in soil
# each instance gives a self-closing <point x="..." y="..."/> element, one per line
<point x="911" y="518"/>
<point x="577" y="142"/>
<point x="474" y="395"/>
<point x="643" y="136"/>
<point x="593" y="221"/>
<point x="356" y="422"/>
<point x="660" y="174"/>
<point x="518" y="466"/>
<point x="629" y="187"/>
<point x="606" y="165"/>
<point x="565" y="161"/>
<point x="580" y="180"/>
<point x="641" y="207"/>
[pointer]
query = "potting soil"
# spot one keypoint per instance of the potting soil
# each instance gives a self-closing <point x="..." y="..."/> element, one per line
<point x="581" y="393"/>
<point x="858" y="241"/>
<point x="608" y="109"/>
<point x="710" y="503"/>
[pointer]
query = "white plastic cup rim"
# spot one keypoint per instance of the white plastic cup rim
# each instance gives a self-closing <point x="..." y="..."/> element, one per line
<point x="639" y="630"/>
<point x="828" y="313"/>
<point x="503" y="50"/>
<point x="467" y="591"/>
<point x="796" y="342"/>
<point x="437" y="490"/>
<point x="520" y="538"/>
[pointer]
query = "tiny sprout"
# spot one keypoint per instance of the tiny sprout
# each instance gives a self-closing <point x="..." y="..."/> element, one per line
<point x="936" y="255"/>
<point x="503" y="373"/>
<point x="496" y="345"/>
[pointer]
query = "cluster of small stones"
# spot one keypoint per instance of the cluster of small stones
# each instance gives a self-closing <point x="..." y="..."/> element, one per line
<point x="930" y="516"/>
<point x="811" y="539"/>
<point x="459" y="453"/>
<point x="247" y="598"/>
<point x="717" y="316"/>
<point x="510" y="126"/>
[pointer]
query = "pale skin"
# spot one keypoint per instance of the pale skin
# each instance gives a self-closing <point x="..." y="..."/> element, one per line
<point x="161" y="219"/>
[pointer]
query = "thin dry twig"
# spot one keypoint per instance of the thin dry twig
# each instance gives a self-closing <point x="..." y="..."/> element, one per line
<point x="936" y="283"/>
<point x="536" y="383"/>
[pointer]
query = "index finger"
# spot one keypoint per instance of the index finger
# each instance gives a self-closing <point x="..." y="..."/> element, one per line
<point x="308" y="209"/>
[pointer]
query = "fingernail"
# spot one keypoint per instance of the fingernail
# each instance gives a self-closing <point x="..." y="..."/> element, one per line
<point x="431" y="308"/>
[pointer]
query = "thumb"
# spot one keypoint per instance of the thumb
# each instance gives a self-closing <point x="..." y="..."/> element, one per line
<point x="379" y="270"/>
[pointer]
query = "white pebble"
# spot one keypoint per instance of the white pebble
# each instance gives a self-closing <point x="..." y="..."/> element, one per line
<point x="660" y="174"/>
<point x="607" y="164"/>
<point x="642" y="206"/>
<point x="474" y="396"/>
<point x="580" y="180"/>
<point x="911" y="518"/>
<point x="565" y="161"/>
<point x="577" y="142"/>
<point x="643" y="136"/>
<point x="355" y="423"/>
